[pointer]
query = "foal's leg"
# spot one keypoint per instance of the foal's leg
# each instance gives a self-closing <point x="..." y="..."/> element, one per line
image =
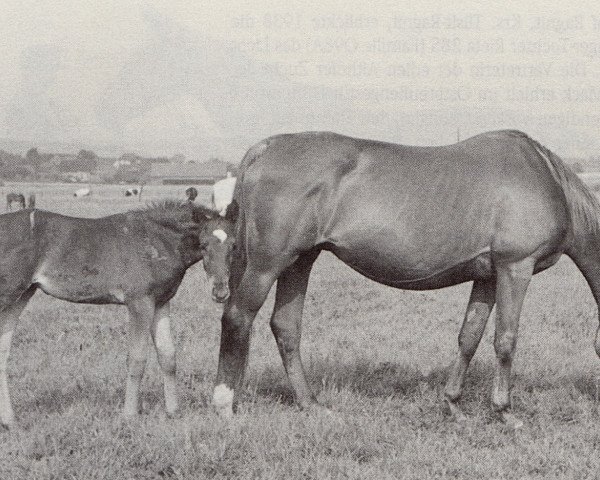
<point x="141" y="313"/>
<point x="483" y="297"/>
<point x="286" y="323"/>
<point x="165" y="350"/>
<point x="8" y="320"/>
<point x="512" y="282"/>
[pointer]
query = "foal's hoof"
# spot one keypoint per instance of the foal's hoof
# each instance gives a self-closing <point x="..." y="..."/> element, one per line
<point x="315" y="408"/>
<point x="5" y="427"/>
<point x="129" y="415"/>
<point x="511" y="421"/>
<point x="456" y="412"/>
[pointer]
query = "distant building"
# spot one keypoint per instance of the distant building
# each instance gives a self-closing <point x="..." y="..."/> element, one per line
<point x="190" y="173"/>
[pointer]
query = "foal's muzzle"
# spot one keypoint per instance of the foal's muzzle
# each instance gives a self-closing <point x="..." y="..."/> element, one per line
<point x="219" y="290"/>
<point x="220" y="296"/>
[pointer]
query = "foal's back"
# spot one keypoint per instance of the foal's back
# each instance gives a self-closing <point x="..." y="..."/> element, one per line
<point x="89" y="260"/>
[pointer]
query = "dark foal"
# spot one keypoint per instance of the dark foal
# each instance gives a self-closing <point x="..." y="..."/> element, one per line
<point x="137" y="259"/>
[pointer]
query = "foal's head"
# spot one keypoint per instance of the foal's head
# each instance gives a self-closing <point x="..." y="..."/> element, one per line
<point x="217" y="241"/>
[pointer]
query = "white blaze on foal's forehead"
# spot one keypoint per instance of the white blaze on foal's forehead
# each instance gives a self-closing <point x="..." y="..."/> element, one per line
<point x="220" y="234"/>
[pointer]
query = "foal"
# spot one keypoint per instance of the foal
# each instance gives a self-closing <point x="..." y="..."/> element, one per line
<point x="137" y="259"/>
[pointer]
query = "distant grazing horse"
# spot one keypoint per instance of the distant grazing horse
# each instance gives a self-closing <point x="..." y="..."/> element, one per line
<point x="191" y="193"/>
<point x="31" y="201"/>
<point x="493" y="209"/>
<point x="136" y="259"/>
<point x="222" y="194"/>
<point x="131" y="192"/>
<point x="82" y="192"/>
<point x="15" y="198"/>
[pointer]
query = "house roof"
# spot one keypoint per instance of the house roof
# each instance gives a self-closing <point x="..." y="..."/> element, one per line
<point x="189" y="170"/>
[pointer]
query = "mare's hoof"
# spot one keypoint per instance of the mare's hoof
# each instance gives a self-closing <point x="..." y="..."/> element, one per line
<point x="224" y="411"/>
<point x="174" y="415"/>
<point x="511" y="421"/>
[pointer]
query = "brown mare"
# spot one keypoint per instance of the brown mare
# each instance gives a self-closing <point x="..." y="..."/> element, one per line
<point x="493" y="209"/>
<point x="137" y="259"/>
<point x="18" y="198"/>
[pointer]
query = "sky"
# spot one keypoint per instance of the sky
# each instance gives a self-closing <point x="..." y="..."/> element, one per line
<point x="212" y="78"/>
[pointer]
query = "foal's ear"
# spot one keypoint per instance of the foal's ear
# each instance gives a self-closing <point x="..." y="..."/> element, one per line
<point x="232" y="212"/>
<point x="200" y="215"/>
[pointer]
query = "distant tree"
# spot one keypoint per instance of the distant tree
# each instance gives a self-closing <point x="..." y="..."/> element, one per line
<point x="233" y="168"/>
<point x="577" y="167"/>
<point x="87" y="155"/>
<point x="11" y="166"/>
<point x="33" y="158"/>
<point x="78" y="165"/>
<point x="129" y="156"/>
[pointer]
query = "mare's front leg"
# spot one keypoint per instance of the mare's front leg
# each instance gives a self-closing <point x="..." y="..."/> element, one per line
<point x="141" y="314"/>
<point x="165" y="351"/>
<point x="512" y="280"/>
<point x="481" y="303"/>
<point x="8" y="320"/>
<point x="236" y="324"/>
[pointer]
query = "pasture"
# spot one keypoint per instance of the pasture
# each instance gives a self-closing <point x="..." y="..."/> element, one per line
<point x="376" y="356"/>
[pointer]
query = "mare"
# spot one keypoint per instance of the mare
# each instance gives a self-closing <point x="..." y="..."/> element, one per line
<point x="15" y="198"/>
<point x="493" y="209"/>
<point x="137" y="259"/>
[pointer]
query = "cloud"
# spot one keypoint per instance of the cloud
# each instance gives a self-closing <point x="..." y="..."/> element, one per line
<point x="183" y="120"/>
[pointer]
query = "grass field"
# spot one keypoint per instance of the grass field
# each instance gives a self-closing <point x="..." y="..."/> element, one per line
<point x="376" y="356"/>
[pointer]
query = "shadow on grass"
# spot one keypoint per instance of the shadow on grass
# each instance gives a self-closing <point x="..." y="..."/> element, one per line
<point x="386" y="379"/>
<point x="368" y="379"/>
<point x="90" y="397"/>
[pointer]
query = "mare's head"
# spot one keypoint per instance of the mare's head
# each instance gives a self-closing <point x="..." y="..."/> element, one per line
<point x="217" y="242"/>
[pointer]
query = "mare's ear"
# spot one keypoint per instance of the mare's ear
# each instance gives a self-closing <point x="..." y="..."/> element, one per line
<point x="233" y="209"/>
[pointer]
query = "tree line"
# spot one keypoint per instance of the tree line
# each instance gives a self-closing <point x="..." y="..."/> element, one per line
<point x="38" y="166"/>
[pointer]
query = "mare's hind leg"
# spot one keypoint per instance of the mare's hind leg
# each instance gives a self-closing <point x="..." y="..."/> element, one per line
<point x="8" y="319"/>
<point x="286" y="323"/>
<point x="165" y="351"/>
<point x="141" y="314"/>
<point x="236" y="324"/>
<point x="481" y="302"/>
<point x="512" y="280"/>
